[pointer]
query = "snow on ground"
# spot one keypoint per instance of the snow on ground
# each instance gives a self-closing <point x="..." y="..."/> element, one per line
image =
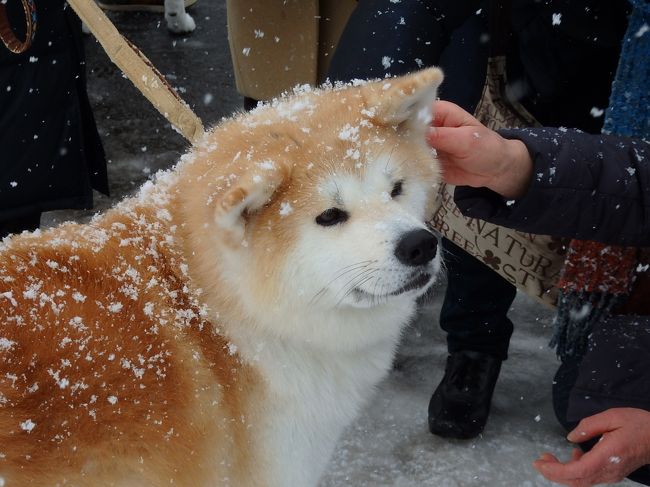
<point x="390" y="445"/>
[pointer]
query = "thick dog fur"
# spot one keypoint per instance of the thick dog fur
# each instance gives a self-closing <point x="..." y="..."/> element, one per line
<point x="218" y="328"/>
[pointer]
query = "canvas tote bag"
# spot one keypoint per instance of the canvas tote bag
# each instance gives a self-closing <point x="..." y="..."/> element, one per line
<point x="530" y="262"/>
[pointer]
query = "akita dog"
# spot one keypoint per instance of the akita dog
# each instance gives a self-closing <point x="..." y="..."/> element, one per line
<point x="224" y="325"/>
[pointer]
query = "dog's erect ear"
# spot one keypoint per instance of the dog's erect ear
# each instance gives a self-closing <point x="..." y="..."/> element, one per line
<point x="249" y="193"/>
<point x="408" y="98"/>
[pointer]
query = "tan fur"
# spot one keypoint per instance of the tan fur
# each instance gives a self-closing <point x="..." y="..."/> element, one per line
<point x="176" y="385"/>
<point x="116" y="364"/>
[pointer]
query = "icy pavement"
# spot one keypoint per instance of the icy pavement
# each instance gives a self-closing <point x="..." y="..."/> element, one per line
<point x="389" y="444"/>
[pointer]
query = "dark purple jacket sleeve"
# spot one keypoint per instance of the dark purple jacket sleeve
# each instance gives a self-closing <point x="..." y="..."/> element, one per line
<point x="589" y="187"/>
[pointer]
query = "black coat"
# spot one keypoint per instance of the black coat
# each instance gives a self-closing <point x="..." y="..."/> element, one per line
<point x="549" y="62"/>
<point x="50" y="153"/>
<point x="612" y="374"/>
<point x="559" y="47"/>
<point x="589" y="187"/>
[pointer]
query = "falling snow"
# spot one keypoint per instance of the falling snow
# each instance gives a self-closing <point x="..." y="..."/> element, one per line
<point x="596" y="112"/>
<point x="407" y="451"/>
<point x="642" y="30"/>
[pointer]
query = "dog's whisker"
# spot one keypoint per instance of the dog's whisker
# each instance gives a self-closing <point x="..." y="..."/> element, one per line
<point x="341" y="273"/>
<point x="356" y="282"/>
<point x="379" y="282"/>
<point x="379" y="297"/>
<point x="358" y="272"/>
<point x="389" y="159"/>
<point x="355" y="279"/>
<point x="350" y="285"/>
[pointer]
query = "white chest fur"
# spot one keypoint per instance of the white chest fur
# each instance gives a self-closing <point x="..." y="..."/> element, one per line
<point x="324" y="396"/>
<point x="314" y="393"/>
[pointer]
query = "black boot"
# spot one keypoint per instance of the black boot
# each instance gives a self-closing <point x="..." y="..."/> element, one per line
<point x="460" y="405"/>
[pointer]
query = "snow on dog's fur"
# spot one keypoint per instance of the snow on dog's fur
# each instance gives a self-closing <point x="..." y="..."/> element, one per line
<point x="223" y="326"/>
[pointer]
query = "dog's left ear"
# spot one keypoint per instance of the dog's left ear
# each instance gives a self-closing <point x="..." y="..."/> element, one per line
<point x="404" y="100"/>
<point x="249" y="193"/>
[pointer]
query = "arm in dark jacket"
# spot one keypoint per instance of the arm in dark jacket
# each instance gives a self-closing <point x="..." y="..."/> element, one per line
<point x="590" y="187"/>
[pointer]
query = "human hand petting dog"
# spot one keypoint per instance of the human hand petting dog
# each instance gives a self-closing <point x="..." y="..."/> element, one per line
<point x="624" y="446"/>
<point x="470" y="154"/>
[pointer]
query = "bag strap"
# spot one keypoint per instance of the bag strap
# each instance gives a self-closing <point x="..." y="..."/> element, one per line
<point x="142" y="73"/>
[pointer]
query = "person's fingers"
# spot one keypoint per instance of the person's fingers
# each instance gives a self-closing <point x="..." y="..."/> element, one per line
<point x="451" y="174"/>
<point x="594" y="426"/>
<point x="544" y="459"/>
<point x="550" y="473"/>
<point x="447" y="114"/>
<point x="542" y="465"/>
<point x="578" y="473"/>
<point x="585" y="469"/>
<point x="452" y="141"/>
<point x="562" y="473"/>
<point x="576" y="454"/>
<point x="547" y="457"/>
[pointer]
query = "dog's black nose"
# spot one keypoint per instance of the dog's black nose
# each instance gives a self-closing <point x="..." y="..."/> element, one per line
<point x="416" y="248"/>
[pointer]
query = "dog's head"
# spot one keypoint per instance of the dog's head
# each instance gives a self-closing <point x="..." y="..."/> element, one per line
<point x="317" y="201"/>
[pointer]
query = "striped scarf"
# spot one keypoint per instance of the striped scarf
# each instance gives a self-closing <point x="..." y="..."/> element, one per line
<point x="598" y="279"/>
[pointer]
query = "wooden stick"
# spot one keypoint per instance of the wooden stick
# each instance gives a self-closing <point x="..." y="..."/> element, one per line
<point x="142" y="73"/>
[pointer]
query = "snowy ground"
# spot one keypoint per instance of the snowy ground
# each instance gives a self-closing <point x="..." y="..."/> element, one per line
<point x="389" y="444"/>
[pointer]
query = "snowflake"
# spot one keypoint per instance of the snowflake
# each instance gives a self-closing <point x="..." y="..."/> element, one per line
<point x="28" y="425"/>
<point x="285" y="208"/>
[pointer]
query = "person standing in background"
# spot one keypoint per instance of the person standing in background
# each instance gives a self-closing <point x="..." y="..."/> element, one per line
<point x="51" y="154"/>
<point x="593" y="195"/>
<point x="553" y="51"/>
<point x="278" y="44"/>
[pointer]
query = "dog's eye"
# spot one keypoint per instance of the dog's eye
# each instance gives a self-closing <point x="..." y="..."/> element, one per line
<point x="397" y="189"/>
<point x="332" y="216"/>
